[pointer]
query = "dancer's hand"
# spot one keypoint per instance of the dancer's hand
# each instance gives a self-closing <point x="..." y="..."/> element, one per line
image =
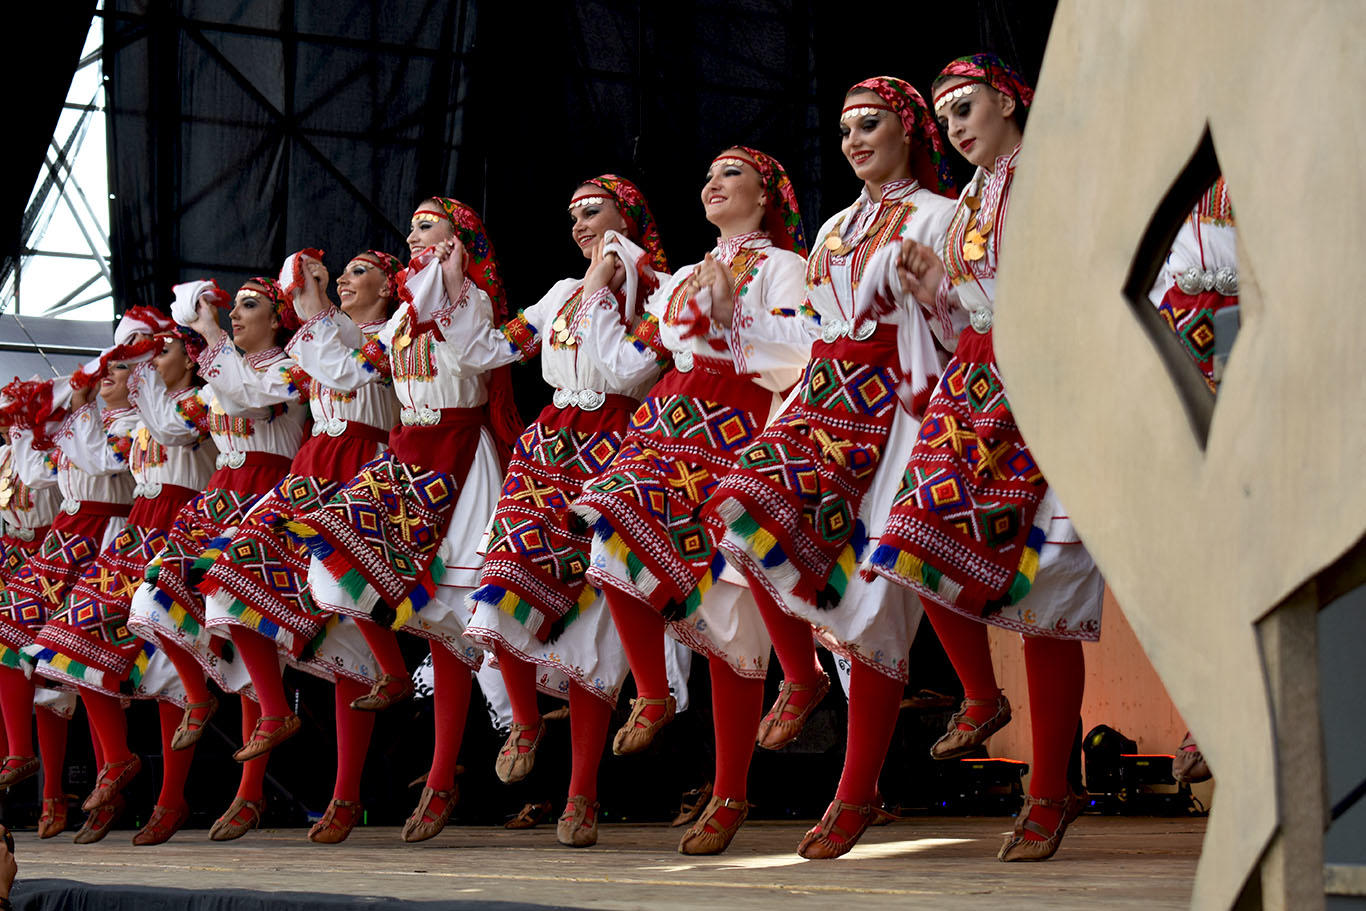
<point x="605" y="270"/>
<point x="920" y="271"/>
<point x="716" y="277"/>
<point x="206" y="321"/>
<point x="311" y="299"/>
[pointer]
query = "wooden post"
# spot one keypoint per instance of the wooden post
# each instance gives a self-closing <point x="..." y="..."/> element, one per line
<point x="1292" y="868"/>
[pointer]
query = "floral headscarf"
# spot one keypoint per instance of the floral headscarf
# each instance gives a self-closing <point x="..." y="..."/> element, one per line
<point x="640" y="221"/>
<point x="929" y="165"/>
<point x="391" y="266"/>
<point x="989" y="70"/>
<point x="481" y="265"/>
<point x="782" y="217"/>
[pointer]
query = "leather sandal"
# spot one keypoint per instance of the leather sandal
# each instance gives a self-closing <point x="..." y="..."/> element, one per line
<point x="261" y="743"/>
<point x="381" y="696"/>
<point x="514" y="763"/>
<point x="17" y="768"/>
<point x="639" y="732"/>
<point x="707" y="836"/>
<point x="882" y="814"/>
<point x="957" y="742"/>
<point x="817" y="843"/>
<point x="1017" y="847"/>
<point x="573" y="829"/>
<point x="164" y="823"/>
<point x="240" y="818"/>
<point x="100" y="820"/>
<point x="1188" y="765"/>
<point x="775" y="731"/>
<point x="113" y="778"/>
<point x="531" y="816"/>
<point x="191" y="726"/>
<point x="694" y="802"/>
<point x="424" y="823"/>
<point x="52" y="822"/>
<point x="341" y="817"/>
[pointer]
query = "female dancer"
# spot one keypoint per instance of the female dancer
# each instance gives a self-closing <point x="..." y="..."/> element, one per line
<point x="29" y="499"/>
<point x="255" y="406"/>
<point x="805" y="498"/>
<point x="975" y="528"/>
<point x="87" y="642"/>
<point x="394" y="545"/>
<point x="733" y="327"/>
<point x="534" y="611"/>
<point x="91" y="448"/>
<point x="257" y="590"/>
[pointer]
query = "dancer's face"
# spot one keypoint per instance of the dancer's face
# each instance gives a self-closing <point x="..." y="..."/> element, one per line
<point x="114" y="386"/>
<point x="253" y="319"/>
<point x="590" y="221"/>
<point x="430" y="226"/>
<point x="733" y="194"/>
<point x="874" y="143"/>
<point x="364" y="290"/>
<point x="173" y="364"/>
<point x="980" y="124"/>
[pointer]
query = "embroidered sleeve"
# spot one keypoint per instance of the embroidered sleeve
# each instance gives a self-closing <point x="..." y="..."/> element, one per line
<point x="522" y="336"/>
<point x="170" y="419"/>
<point x="645" y="337"/>
<point x="239" y="386"/>
<point x="775" y="346"/>
<point x="91" y="446"/>
<point x="37" y="468"/>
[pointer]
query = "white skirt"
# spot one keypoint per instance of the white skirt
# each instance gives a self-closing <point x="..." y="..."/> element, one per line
<point x="150" y="620"/>
<point x="1065" y="600"/>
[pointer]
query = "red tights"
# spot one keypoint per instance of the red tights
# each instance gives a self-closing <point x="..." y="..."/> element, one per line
<point x="52" y="741"/>
<point x="16" y="704"/>
<point x="189" y="670"/>
<point x="642" y="636"/>
<point x="452" y="684"/>
<point x="383" y="643"/>
<point x="736" y="705"/>
<point x="1056" y="671"/>
<point x="109" y="723"/>
<point x="793" y="643"/>
<point x="253" y="782"/>
<point x="262" y="660"/>
<point x="175" y="763"/>
<point x="589" y="719"/>
<point x="353" y="738"/>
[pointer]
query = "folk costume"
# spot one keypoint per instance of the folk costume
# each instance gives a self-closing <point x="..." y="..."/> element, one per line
<point x="534" y="611"/>
<point x="1200" y="277"/>
<point x="651" y="547"/>
<point x="976" y="531"/>
<point x="809" y="496"/>
<point x="254" y="406"/>
<point x="87" y="642"/>
<point x="395" y="544"/>
<point x="29" y="502"/>
<point x="258" y="586"/>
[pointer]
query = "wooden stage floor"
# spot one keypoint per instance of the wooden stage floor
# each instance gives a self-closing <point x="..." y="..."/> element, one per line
<point x="944" y="863"/>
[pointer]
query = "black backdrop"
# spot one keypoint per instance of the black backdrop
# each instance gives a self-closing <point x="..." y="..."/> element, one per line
<point x="241" y="131"/>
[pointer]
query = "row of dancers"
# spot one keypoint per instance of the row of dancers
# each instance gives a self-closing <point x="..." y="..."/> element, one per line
<point x="772" y="449"/>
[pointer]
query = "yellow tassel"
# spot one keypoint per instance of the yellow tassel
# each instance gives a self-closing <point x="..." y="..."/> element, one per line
<point x="1029" y="564"/>
<point x="763" y="542"/>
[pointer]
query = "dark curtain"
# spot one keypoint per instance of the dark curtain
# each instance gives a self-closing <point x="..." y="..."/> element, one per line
<point x="45" y="48"/>
<point x="240" y="132"/>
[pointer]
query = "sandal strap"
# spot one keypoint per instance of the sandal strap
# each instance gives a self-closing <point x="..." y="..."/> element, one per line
<point x="830" y="821"/>
<point x="962" y="716"/>
<point x="707" y="819"/>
